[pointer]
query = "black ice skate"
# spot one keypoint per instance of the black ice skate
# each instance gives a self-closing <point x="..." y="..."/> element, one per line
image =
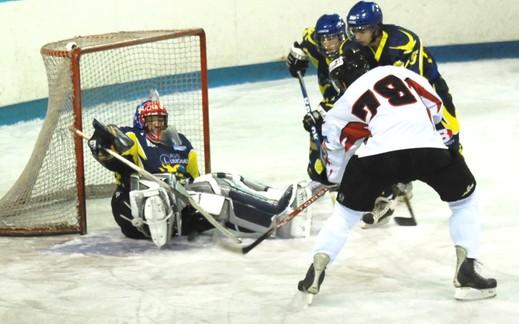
<point x="468" y="283"/>
<point x="314" y="276"/>
<point x="381" y="214"/>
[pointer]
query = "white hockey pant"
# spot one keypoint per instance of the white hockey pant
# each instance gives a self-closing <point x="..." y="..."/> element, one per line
<point x="336" y="230"/>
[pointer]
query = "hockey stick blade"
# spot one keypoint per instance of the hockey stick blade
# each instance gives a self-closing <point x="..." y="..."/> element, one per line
<point x="296" y="211"/>
<point x="177" y="190"/>
<point x="406" y="221"/>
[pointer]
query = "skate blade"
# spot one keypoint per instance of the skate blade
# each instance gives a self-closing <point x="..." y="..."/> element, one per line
<point x="312" y="291"/>
<point x="309" y="298"/>
<point x="467" y="293"/>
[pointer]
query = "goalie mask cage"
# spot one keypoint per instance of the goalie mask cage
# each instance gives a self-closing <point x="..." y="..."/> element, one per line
<point x="103" y="77"/>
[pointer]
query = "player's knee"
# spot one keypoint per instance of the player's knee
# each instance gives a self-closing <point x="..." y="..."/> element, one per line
<point x="457" y="182"/>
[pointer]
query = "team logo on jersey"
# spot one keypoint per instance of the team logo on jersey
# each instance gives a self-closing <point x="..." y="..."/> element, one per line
<point x="172" y="159"/>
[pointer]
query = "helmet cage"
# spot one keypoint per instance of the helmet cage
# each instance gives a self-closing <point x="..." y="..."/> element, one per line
<point x="327" y="29"/>
<point x="351" y="30"/>
<point x="147" y="109"/>
<point x="327" y="46"/>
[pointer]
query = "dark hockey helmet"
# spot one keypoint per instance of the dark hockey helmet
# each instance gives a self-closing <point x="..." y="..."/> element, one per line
<point x="330" y="32"/>
<point x="347" y="68"/>
<point x="363" y="15"/>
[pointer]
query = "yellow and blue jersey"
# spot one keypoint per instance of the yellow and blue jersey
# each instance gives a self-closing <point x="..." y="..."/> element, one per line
<point x="178" y="158"/>
<point x="401" y="47"/>
<point x="311" y="48"/>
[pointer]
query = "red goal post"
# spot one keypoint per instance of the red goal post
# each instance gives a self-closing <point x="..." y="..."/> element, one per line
<point x="104" y="77"/>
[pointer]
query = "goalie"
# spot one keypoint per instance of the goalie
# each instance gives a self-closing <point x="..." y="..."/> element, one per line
<point x="144" y="210"/>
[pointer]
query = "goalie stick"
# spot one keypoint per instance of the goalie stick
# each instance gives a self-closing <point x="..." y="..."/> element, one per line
<point x="296" y="211"/>
<point x="178" y="190"/>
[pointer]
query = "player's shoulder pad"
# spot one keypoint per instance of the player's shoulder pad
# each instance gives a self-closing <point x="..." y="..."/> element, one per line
<point x="185" y="141"/>
<point x="398" y="35"/>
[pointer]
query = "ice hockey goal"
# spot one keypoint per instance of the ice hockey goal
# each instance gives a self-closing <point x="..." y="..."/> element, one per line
<point x="106" y="77"/>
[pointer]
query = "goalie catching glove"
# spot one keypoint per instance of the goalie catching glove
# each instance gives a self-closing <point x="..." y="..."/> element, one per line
<point x="107" y="137"/>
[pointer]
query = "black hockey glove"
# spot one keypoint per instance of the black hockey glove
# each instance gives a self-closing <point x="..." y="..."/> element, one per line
<point x="316" y="168"/>
<point x="109" y="136"/>
<point x="297" y="61"/>
<point x="313" y="118"/>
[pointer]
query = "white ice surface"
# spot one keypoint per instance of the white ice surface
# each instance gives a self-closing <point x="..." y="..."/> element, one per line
<point x="386" y="275"/>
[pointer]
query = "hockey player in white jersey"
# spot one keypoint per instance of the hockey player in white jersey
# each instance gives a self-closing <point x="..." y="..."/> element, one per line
<point x="382" y="131"/>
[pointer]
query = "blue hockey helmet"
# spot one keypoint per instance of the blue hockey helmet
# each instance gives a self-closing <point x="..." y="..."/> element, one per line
<point x="330" y="32"/>
<point x="363" y="15"/>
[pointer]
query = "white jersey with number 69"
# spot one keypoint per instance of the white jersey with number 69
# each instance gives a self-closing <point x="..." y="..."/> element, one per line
<point x="387" y="109"/>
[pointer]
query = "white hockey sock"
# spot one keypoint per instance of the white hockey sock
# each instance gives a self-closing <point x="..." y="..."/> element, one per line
<point x="335" y="232"/>
<point x="464" y="224"/>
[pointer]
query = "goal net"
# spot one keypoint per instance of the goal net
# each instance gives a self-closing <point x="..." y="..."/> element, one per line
<point x="103" y="77"/>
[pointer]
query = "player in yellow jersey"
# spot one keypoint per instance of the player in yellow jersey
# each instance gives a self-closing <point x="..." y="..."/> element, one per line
<point x="320" y="45"/>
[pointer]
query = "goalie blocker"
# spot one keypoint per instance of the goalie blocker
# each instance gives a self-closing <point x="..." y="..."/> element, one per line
<point x="244" y="206"/>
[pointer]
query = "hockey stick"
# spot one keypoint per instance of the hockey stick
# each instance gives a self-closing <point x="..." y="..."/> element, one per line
<point x="178" y="190"/>
<point x="296" y="211"/>
<point x="406" y="221"/>
<point x="306" y="100"/>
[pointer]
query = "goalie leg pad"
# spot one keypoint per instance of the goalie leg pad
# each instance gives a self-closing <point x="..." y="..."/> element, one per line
<point x="152" y="207"/>
<point x="300" y="226"/>
<point x="155" y="213"/>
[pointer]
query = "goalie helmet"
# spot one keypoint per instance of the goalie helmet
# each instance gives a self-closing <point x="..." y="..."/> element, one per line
<point x="347" y="68"/>
<point x="330" y="32"/>
<point x="364" y="15"/>
<point x="142" y="120"/>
